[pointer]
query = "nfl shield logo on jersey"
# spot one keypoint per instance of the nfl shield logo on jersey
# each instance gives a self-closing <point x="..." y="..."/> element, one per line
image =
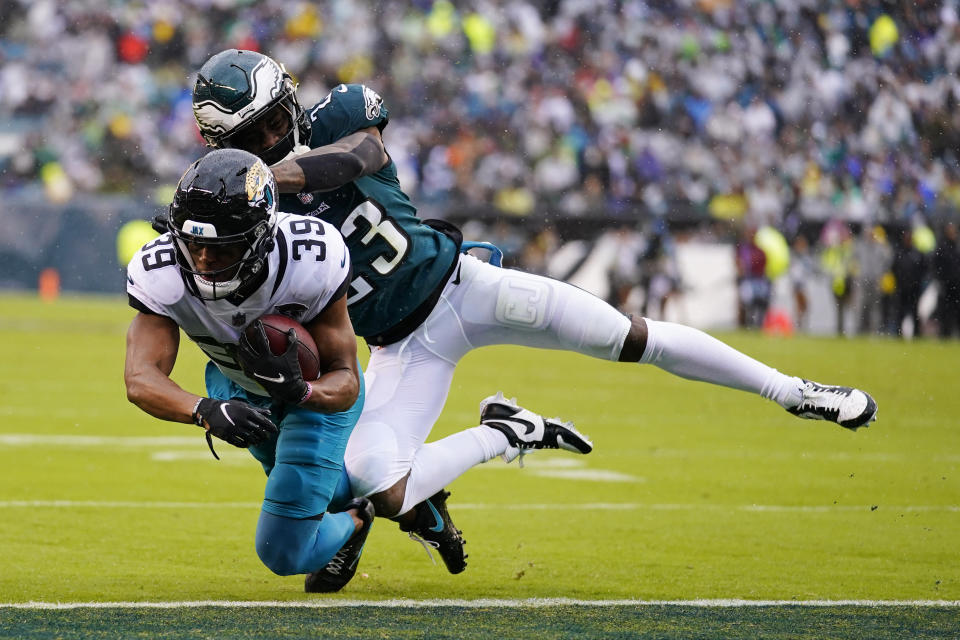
<point x="305" y="198"/>
<point x="239" y="319"/>
<point x="293" y="310"/>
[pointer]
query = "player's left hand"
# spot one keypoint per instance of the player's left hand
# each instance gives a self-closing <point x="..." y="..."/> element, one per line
<point x="279" y="375"/>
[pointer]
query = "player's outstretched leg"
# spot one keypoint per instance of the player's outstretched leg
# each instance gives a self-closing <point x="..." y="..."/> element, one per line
<point x="340" y="570"/>
<point x="848" y="407"/>
<point x="526" y="430"/>
<point x="433" y="528"/>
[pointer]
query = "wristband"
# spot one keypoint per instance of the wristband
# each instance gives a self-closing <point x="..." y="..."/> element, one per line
<point x="196" y="417"/>
<point x="308" y="394"/>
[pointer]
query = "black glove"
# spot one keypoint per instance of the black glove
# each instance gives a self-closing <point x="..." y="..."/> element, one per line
<point x="279" y="375"/>
<point x="235" y="421"/>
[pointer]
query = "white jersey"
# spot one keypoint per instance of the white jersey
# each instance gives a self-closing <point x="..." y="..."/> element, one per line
<point x="307" y="270"/>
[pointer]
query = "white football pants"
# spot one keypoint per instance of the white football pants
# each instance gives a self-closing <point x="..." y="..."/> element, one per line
<point x="407" y="382"/>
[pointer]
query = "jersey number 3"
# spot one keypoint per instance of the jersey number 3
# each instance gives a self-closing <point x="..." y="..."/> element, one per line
<point x="380" y="226"/>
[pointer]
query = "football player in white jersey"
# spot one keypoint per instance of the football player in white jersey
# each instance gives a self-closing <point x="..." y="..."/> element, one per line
<point x="227" y="259"/>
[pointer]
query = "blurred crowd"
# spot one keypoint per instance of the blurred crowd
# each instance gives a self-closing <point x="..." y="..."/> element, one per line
<point x="787" y="113"/>
<point x="876" y="281"/>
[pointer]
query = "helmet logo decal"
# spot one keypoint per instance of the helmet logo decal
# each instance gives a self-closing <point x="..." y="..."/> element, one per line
<point x="372" y="102"/>
<point x="258" y="184"/>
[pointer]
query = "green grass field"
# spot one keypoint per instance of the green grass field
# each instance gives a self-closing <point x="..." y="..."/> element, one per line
<point x="693" y="493"/>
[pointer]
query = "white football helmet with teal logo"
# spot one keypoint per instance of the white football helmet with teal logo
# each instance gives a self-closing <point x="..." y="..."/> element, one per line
<point x="235" y="89"/>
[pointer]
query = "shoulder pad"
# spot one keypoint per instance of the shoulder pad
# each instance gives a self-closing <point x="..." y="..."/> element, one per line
<point x="154" y="277"/>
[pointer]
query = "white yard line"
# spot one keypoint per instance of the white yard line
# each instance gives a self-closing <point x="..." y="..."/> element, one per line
<point x="589" y="506"/>
<point x="36" y="440"/>
<point x="53" y="440"/>
<point x="482" y="602"/>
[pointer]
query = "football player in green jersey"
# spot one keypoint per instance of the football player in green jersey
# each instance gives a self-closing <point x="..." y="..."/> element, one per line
<point x="422" y="304"/>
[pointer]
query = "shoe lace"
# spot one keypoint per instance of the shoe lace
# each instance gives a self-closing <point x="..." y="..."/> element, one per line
<point x="823" y="399"/>
<point x="523" y="453"/>
<point x="336" y="563"/>
<point x="427" y="545"/>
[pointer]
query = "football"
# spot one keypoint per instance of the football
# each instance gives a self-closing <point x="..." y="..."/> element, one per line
<point x="276" y="327"/>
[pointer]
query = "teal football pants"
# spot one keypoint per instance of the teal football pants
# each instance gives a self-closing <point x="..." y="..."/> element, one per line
<point x="305" y="477"/>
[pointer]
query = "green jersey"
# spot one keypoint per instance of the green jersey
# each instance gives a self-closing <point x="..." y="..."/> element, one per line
<point x="400" y="264"/>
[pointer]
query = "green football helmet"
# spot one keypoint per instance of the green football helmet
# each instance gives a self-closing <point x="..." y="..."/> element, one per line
<point x="235" y="89"/>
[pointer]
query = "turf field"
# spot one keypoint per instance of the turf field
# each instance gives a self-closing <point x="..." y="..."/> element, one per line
<point x="695" y="498"/>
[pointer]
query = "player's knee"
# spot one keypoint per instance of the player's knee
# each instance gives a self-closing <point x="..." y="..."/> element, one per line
<point x="389" y="502"/>
<point x="367" y="473"/>
<point x="373" y="459"/>
<point x="636" y="341"/>
<point x="279" y="558"/>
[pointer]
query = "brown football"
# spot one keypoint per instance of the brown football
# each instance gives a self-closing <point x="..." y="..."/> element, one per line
<point x="276" y="327"/>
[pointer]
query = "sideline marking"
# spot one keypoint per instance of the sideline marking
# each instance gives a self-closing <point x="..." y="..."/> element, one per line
<point x="479" y="603"/>
<point x="592" y="506"/>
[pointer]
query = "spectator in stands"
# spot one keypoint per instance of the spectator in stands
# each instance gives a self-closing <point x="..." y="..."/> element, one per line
<point x="872" y="258"/>
<point x="659" y="113"/>
<point x="836" y="259"/>
<point x="946" y="269"/>
<point x="753" y="285"/>
<point x="802" y="271"/>
<point x="909" y="271"/>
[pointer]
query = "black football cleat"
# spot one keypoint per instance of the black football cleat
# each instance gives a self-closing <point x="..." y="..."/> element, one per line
<point x="341" y="569"/>
<point x="433" y="528"/>
<point x="527" y="431"/>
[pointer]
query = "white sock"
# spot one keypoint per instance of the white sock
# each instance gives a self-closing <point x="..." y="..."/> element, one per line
<point x="692" y="354"/>
<point x="439" y="463"/>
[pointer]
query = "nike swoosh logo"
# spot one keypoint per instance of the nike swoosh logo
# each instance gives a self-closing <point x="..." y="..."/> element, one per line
<point x="223" y="410"/>
<point x="357" y="559"/>
<point x="278" y="379"/>
<point x="436" y="514"/>
<point x="530" y="427"/>
<point x="456" y="281"/>
<point x="343" y="261"/>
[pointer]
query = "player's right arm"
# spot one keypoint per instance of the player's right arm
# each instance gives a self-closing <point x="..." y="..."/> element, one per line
<point x="333" y="165"/>
<point x="152" y="345"/>
<point x="345" y="140"/>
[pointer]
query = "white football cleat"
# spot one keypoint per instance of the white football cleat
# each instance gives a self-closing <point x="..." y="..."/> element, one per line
<point x="850" y="408"/>
<point x="527" y="431"/>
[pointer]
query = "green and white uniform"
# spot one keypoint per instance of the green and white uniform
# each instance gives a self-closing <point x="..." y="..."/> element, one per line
<point x="399" y="263"/>
<point x="422" y="306"/>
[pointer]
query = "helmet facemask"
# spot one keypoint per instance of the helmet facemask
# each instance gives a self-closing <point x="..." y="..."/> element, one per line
<point x="219" y="283"/>
<point x="293" y="114"/>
